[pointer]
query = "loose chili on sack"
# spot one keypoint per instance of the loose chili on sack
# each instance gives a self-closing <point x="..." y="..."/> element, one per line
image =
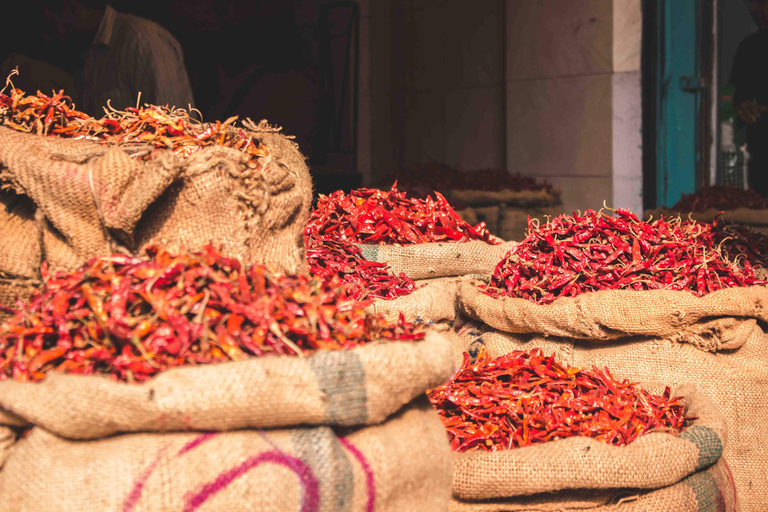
<point x="367" y="279"/>
<point x="133" y="317"/>
<point x="719" y="197"/>
<point x="576" y="254"/>
<point x="155" y="126"/>
<point x="371" y="216"/>
<point x="524" y="398"/>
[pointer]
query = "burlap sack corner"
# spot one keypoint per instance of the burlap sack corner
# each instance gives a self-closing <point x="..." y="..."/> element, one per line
<point x="434" y="300"/>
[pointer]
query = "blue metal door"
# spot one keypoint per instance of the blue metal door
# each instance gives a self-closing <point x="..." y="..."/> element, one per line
<point x="679" y="90"/>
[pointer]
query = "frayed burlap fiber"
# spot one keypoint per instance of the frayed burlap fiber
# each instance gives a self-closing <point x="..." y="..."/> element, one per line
<point x="727" y="364"/>
<point x="93" y="200"/>
<point x="353" y="387"/>
<point x="709" y="490"/>
<point x="430" y="260"/>
<point x="652" y="461"/>
<point x="403" y="464"/>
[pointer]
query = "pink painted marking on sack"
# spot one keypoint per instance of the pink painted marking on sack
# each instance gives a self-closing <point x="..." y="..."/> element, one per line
<point x="138" y="485"/>
<point x="197" y="442"/>
<point x="310" y="496"/>
<point x="370" y="479"/>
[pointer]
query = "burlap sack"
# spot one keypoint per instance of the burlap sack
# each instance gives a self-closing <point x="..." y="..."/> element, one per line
<point x="426" y="261"/>
<point x="19" y="243"/>
<point x="13" y="289"/>
<point x="353" y="387"/>
<point x="734" y="376"/>
<point x="720" y="320"/>
<point x="516" y="198"/>
<point x="433" y="301"/>
<point x="94" y="198"/>
<point x="652" y="461"/>
<point x="748" y="216"/>
<point x="513" y="223"/>
<point x="710" y="490"/>
<point x="403" y="464"/>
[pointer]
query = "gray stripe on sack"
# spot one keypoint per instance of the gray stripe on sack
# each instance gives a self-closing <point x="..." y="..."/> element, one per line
<point x="321" y="451"/>
<point x="707" y="441"/>
<point x="370" y="251"/>
<point x="341" y="378"/>
<point x="709" y="497"/>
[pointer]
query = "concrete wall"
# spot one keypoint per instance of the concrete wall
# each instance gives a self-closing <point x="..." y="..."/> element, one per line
<point x="546" y="88"/>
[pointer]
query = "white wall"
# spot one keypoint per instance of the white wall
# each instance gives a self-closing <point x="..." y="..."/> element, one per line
<point x="566" y="109"/>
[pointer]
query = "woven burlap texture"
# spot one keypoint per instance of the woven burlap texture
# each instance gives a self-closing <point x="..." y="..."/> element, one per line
<point x="20" y="247"/>
<point x="710" y="490"/>
<point x="92" y="199"/>
<point x="352" y="387"/>
<point x="434" y="300"/>
<point x="403" y="464"/>
<point x="719" y="320"/>
<point x="430" y="260"/>
<point x="654" y="460"/>
<point x="735" y="380"/>
<point x="13" y="289"/>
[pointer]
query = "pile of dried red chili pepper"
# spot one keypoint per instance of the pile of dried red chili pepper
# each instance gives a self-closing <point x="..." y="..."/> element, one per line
<point x="371" y="216"/>
<point x="153" y="126"/>
<point x="719" y="197"/>
<point x="524" y="398"/>
<point x="425" y="178"/>
<point x="133" y="317"/>
<point x="367" y="279"/>
<point x="575" y="254"/>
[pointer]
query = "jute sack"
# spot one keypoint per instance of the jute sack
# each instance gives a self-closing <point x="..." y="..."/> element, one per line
<point x="434" y="300"/>
<point x="361" y="386"/>
<point x="93" y="199"/>
<point x="403" y="464"/>
<point x="709" y="490"/>
<point x="430" y="260"/>
<point x="652" y="461"/>
<point x="715" y="342"/>
<point x="19" y="244"/>
<point x="513" y="223"/>
<point x="13" y="289"/>
<point x="747" y="216"/>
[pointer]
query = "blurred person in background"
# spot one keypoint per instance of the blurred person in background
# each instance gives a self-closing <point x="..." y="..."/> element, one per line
<point x="105" y="54"/>
<point x="750" y="76"/>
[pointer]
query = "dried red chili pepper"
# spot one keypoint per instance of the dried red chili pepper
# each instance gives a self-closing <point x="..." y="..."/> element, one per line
<point x="157" y="126"/>
<point x="524" y="398"/>
<point x="132" y="317"/>
<point x="371" y="216"/>
<point x="575" y="254"/>
<point x="367" y="279"/>
<point x="720" y="197"/>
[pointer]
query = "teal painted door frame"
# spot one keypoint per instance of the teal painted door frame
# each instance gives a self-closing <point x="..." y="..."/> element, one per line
<point x="679" y="91"/>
